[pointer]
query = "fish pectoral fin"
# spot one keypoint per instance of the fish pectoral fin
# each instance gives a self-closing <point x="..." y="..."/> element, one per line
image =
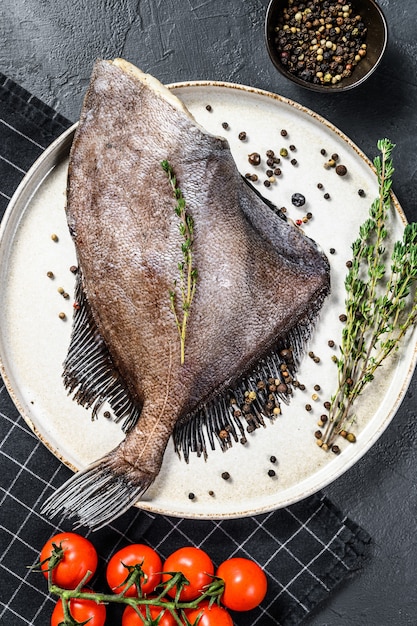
<point x="89" y="372"/>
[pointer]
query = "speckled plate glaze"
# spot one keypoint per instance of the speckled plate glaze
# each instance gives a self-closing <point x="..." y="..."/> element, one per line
<point x="34" y="340"/>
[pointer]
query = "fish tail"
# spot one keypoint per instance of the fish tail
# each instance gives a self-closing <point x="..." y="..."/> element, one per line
<point x="96" y="495"/>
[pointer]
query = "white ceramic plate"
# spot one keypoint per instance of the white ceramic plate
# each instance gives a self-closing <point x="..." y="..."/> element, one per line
<point x="34" y="340"/>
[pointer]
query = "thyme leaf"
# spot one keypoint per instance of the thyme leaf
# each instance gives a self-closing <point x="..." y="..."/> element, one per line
<point x="187" y="273"/>
<point x="380" y="301"/>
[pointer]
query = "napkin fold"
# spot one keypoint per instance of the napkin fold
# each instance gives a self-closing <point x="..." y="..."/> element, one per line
<point x="306" y="549"/>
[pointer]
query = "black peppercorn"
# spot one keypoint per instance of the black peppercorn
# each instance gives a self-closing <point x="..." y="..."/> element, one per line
<point x="254" y="158"/>
<point x="298" y="199"/>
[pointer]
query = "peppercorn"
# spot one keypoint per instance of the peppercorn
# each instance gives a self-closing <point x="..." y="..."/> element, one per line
<point x="361" y="193"/>
<point x="294" y="161"/>
<point x="283" y="152"/>
<point x="73" y="269"/>
<point x="242" y="136"/>
<point x="318" y="434"/>
<point x="341" y="170"/>
<point x="330" y="343"/>
<point x="225" y="475"/>
<point x="62" y="316"/>
<point x="332" y="250"/>
<point x="254" y="158"/>
<point x="308" y="407"/>
<point x="50" y="274"/>
<point x="343" y="317"/>
<point x="326" y="196"/>
<point x="271" y="473"/>
<point x="284" y="133"/>
<point x="225" y="125"/>
<point x="273" y="459"/>
<point x="191" y="495"/>
<point x="54" y="237"/>
<point x="335" y="449"/>
<point x="298" y="199"/>
<point x="209" y="107"/>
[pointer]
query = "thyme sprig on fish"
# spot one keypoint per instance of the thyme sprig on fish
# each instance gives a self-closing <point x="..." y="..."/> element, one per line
<point x="134" y="576"/>
<point x="187" y="273"/>
<point x="381" y="302"/>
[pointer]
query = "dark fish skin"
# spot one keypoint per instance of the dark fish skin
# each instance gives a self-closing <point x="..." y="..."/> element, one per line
<point x="258" y="275"/>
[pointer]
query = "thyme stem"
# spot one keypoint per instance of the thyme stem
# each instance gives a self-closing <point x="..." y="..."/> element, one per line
<point x="188" y="273"/>
<point x="380" y="307"/>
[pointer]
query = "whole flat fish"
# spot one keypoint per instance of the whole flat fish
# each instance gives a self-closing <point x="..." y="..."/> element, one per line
<point x="261" y="283"/>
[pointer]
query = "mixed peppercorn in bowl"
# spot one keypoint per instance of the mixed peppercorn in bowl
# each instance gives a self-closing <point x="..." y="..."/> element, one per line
<point x="326" y="45"/>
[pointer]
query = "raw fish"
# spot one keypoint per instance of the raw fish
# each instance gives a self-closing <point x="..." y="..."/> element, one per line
<point x="261" y="283"/>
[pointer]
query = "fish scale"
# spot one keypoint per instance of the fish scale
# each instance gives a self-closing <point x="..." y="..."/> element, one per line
<point x="120" y="213"/>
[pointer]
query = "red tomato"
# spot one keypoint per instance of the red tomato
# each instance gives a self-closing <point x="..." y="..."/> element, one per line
<point x="245" y="584"/>
<point x="196" y="566"/>
<point x="80" y="557"/>
<point x="213" y="616"/>
<point x="134" y="554"/>
<point x="131" y="618"/>
<point x="81" y="611"/>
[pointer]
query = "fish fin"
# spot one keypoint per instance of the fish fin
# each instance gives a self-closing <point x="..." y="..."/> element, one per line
<point x="89" y="372"/>
<point x="266" y="201"/>
<point x="96" y="495"/>
<point x="231" y="414"/>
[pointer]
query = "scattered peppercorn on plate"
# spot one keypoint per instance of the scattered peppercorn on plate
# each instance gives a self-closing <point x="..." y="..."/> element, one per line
<point x="320" y="180"/>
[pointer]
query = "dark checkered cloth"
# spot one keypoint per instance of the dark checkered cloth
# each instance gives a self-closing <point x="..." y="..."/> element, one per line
<point x="306" y="549"/>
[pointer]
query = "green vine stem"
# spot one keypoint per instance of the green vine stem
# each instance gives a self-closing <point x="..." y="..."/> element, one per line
<point x="381" y="303"/>
<point x="135" y="576"/>
<point x="187" y="273"/>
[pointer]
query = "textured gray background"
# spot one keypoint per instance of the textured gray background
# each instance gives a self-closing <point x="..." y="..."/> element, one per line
<point x="49" y="47"/>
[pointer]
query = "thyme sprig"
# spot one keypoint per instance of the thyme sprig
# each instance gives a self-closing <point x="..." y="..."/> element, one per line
<point x="187" y="273"/>
<point x="381" y="302"/>
<point x="135" y="576"/>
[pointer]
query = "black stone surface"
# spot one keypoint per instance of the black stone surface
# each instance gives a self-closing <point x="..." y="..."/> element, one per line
<point x="49" y="47"/>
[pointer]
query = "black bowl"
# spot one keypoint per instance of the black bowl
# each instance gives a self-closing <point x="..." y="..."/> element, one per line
<point x="376" y="42"/>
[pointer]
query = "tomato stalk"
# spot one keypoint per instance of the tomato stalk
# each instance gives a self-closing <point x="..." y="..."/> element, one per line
<point x="212" y="592"/>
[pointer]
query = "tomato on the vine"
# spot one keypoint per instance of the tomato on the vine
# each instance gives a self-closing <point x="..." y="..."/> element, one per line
<point x="81" y="610"/>
<point x="131" y="618"/>
<point x="245" y="584"/>
<point x="134" y="554"/>
<point x="210" y="616"/>
<point x="197" y="567"/>
<point x="79" y="557"/>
